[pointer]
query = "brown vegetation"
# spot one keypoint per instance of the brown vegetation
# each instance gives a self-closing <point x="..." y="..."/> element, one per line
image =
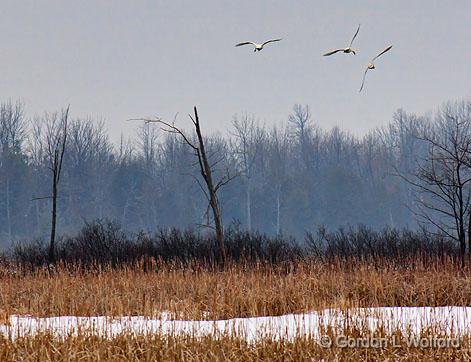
<point x="158" y="348"/>
<point x="236" y="291"/>
<point x="197" y="292"/>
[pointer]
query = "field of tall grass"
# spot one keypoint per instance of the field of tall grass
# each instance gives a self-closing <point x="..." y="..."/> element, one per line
<point x="197" y="291"/>
<point x="170" y="348"/>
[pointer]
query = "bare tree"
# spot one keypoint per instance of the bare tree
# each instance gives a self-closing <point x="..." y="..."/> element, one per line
<point x="147" y="138"/>
<point x="12" y="135"/>
<point x="87" y="159"/>
<point x="206" y="170"/>
<point x="147" y="142"/>
<point x="300" y="120"/>
<point x="248" y="142"/>
<point x="403" y="136"/>
<point x="278" y="163"/>
<point x="53" y="137"/>
<point x="442" y="179"/>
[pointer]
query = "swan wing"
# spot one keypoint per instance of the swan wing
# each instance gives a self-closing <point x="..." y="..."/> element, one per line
<point x="363" y="81"/>
<point x="270" y="41"/>
<point x="384" y="51"/>
<point x="358" y="30"/>
<point x="333" y="52"/>
<point x="245" y="43"/>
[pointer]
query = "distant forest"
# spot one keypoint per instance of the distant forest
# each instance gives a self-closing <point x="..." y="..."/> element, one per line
<point x="292" y="178"/>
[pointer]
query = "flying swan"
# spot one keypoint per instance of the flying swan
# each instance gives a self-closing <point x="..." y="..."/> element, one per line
<point x="257" y="46"/>
<point x="347" y="49"/>
<point x="372" y="66"/>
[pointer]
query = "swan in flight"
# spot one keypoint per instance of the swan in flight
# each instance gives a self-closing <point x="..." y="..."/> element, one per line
<point x="347" y="49"/>
<point x="372" y="66"/>
<point x="257" y="46"/>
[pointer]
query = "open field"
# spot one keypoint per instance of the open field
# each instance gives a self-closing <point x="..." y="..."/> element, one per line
<point x="200" y="293"/>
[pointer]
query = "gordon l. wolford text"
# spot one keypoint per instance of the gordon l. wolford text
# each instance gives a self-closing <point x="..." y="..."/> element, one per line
<point x="341" y="341"/>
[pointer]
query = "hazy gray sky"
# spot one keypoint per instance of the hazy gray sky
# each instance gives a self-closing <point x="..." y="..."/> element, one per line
<point x="119" y="59"/>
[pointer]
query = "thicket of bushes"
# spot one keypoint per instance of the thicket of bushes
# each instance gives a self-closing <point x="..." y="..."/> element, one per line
<point x="105" y="243"/>
<point x="362" y="241"/>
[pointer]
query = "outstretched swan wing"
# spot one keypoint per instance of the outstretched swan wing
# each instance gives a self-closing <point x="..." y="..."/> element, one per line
<point x="363" y="81"/>
<point x="384" y="51"/>
<point x="270" y="41"/>
<point x="358" y="30"/>
<point x="333" y="52"/>
<point x="245" y="43"/>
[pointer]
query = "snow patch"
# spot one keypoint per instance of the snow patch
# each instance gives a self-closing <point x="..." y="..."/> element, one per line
<point x="444" y="321"/>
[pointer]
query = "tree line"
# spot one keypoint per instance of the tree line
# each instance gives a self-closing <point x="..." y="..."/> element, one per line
<point x="291" y="178"/>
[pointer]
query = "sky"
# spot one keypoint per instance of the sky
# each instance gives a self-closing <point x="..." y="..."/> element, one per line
<point x="119" y="59"/>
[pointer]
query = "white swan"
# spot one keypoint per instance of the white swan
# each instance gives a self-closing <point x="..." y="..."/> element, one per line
<point x="347" y="49"/>
<point x="372" y="66"/>
<point x="257" y="46"/>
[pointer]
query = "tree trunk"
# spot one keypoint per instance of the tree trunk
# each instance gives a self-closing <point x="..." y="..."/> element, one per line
<point x="462" y="249"/>
<point x="391" y="219"/>
<point x="206" y="173"/>
<point x="219" y="231"/>
<point x="461" y="218"/>
<point x="38" y="223"/>
<point x="469" y="235"/>
<point x="213" y="201"/>
<point x="52" y="243"/>
<point x="278" y="207"/>
<point x="7" y="202"/>
<point x="248" y="198"/>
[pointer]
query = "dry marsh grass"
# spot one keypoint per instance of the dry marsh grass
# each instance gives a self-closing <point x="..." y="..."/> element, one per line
<point x="199" y="292"/>
<point x="158" y="348"/>
<point x="236" y="291"/>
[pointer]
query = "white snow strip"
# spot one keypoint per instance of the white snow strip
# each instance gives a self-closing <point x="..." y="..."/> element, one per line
<point x="443" y="321"/>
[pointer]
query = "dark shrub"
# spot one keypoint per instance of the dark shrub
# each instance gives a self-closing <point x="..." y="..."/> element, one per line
<point x="362" y="242"/>
<point x="105" y="243"/>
